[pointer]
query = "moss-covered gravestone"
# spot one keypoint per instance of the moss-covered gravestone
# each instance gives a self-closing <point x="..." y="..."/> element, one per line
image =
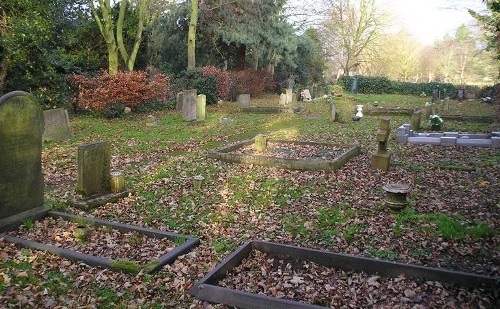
<point x="94" y="167"/>
<point x="21" y="178"/>
<point x="201" y="106"/>
<point x="94" y="177"/>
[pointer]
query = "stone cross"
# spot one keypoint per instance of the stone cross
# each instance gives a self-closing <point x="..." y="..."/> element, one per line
<point x="21" y="178"/>
<point x="382" y="158"/>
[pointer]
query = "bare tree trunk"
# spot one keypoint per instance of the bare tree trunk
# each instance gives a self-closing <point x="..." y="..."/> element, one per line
<point x="240" y="57"/>
<point x="192" y="35"/>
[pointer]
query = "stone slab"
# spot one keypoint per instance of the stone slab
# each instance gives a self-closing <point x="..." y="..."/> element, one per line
<point x="448" y="141"/>
<point x="425" y="140"/>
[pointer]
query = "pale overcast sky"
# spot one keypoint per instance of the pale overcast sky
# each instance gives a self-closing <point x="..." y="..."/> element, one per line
<point x="429" y="20"/>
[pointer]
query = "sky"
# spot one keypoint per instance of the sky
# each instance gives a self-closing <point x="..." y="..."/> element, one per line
<point x="429" y="20"/>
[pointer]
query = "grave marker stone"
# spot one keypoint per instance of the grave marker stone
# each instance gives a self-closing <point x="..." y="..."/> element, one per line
<point x="289" y="95"/>
<point x="382" y="158"/>
<point x="332" y="112"/>
<point x="306" y="95"/>
<point x="189" y="105"/>
<point x="21" y="178"/>
<point x="416" y="118"/>
<point x="94" y="161"/>
<point x="244" y="100"/>
<point x="282" y="99"/>
<point x="57" y="126"/>
<point x="260" y="144"/>
<point x="201" y="105"/>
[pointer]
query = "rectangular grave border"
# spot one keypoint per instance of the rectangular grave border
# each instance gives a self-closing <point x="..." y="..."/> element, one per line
<point x="92" y="260"/>
<point x="206" y="289"/>
<point x="265" y="109"/>
<point x="224" y="154"/>
<point x="390" y="111"/>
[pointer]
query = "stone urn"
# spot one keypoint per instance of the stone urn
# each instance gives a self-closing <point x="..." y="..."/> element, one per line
<point x="396" y="196"/>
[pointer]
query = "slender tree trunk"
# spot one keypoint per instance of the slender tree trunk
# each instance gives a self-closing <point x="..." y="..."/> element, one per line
<point x="130" y="59"/>
<point x="192" y="35"/>
<point x="105" y="24"/>
<point x="240" y="57"/>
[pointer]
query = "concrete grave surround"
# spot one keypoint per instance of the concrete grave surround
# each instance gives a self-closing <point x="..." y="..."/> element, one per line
<point x="189" y="105"/>
<point x="407" y="136"/>
<point x="225" y="154"/>
<point x="57" y="127"/>
<point x="207" y="289"/>
<point x="21" y="178"/>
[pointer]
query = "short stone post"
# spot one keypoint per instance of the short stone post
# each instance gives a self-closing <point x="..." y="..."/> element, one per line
<point x="201" y="105"/>
<point x="189" y="105"/>
<point x="396" y="196"/>
<point x="244" y="100"/>
<point x="332" y="112"/>
<point x="260" y="144"/>
<point x="289" y="95"/>
<point x="382" y="158"/>
<point x="94" y="165"/>
<point x="416" y="118"/>
<point x="179" y="101"/>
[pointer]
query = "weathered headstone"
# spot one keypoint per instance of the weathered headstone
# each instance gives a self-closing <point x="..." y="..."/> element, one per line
<point x="282" y="99"/>
<point x="382" y="158"/>
<point x="416" y="118"/>
<point x="332" y="112"/>
<point x="94" y="165"/>
<point x="21" y="178"/>
<point x="260" y="143"/>
<point x="201" y="105"/>
<point x="306" y="95"/>
<point x="189" y="105"/>
<point x="244" y="100"/>
<point x="151" y="121"/>
<point x="289" y="95"/>
<point x="57" y="126"/>
<point x="179" y="101"/>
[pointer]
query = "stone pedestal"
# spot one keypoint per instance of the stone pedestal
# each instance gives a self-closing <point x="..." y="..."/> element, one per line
<point x="395" y="198"/>
<point x="381" y="161"/>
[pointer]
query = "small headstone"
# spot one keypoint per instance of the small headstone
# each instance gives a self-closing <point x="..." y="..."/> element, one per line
<point x="94" y="165"/>
<point x="179" y="101"/>
<point x="332" y="112"/>
<point x="282" y="99"/>
<point x="382" y="158"/>
<point x="201" y="105"/>
<point x="260" y="143"/>
<point x="127" y="110"/>
<point x="189" y="105"/>
<point x="244" y="100"/>
<point x="57" y="126"/>
<point x="21" y="178"/>
<point x="151" y="121"/>
<point x="289" y="96"/>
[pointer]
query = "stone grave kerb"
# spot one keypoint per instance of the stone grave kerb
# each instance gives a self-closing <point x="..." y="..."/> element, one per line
<point x="21" y="177"/>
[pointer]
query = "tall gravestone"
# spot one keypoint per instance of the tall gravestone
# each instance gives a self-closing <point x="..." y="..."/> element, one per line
<point x="201" y="106"/>
<point x="21" y="178"/>
<point x="57" y="126"/>
<point x="189" y="105"/>
<point x="94" y="165"/>
<point x="289" y="95"/>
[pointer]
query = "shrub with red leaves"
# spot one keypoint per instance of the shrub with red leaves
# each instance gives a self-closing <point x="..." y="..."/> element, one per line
<point x="252" y="82"/>
<point x="222" y="78"/>
<point x="130" y="89"/>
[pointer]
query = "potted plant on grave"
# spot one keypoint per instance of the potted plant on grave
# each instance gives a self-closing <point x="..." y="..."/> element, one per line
<point x="435" y="122"/>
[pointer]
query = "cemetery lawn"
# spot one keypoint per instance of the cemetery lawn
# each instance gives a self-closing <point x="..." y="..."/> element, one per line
<point x="452" y="220"/>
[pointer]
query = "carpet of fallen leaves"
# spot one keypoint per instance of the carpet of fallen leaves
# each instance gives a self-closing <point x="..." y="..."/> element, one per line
<point x="294" y="151"/>
<point x="341" y="211"/>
